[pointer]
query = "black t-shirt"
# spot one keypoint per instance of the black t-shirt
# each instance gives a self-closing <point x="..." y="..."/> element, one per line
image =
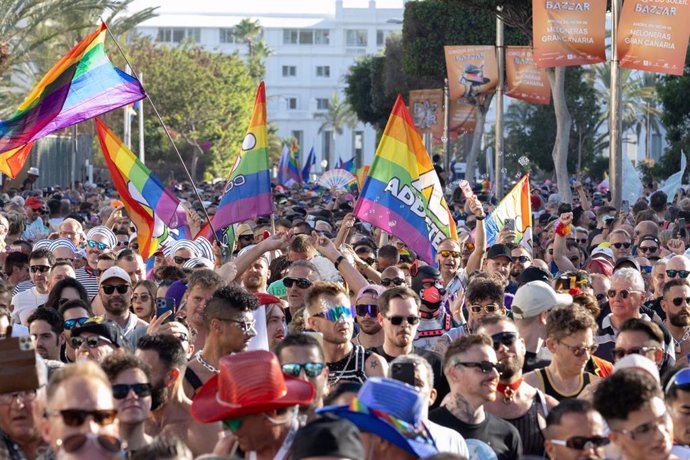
<point x="499" y="435"/>
<point x="436" y="362"/>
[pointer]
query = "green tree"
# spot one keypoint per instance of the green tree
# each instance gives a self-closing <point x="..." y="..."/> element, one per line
<point x="335" y="119"/>
<point x="358" y="91"/>
<point x="203" y="97"/>
<point x="250" y="32"/>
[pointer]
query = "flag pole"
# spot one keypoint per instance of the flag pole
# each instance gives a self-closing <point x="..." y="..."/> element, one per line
<point x="167" y="132"/>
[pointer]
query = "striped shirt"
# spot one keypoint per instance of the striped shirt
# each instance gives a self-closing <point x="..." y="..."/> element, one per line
<point x="350" y="368"/>
<point x="89" y="281"/>
<point x="22" y="286"/>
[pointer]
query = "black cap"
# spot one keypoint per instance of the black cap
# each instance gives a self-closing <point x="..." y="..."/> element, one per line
<point x="649" y="238"/>
<point x="627" y="260"/>
<point x="499" y="250"/>
<point x="328" y="437"/>
<point x="105" y="328"/>
<point x="533" y="273"/>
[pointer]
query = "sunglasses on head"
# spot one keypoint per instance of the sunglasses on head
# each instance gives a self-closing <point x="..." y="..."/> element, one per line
<point x="506" y="339"/>
<point x="620" y="353"/>
<point x="110" y="288"/>
<point x="96" y="244"/>
<point x="388" y="281"/>
<point x="302" y="283"/>
<point x="398" y="320"/>
<point x="625" y="245"/>
<point x="72" y="323"/>
<point x="334" y="314"/>
<point x="681" y="273"/>
<point x="39" y="268"/>
<point x="447" y="253"/>
<point x="370" y="310"/>
<point x="582" y="442"/>
<point x="484" y="366"/>
<point x="74" y="443"/>
<point x="77" y="417"/>
<point x="92" y="341"/>
<point x="312" y="370"/>
<point x="490" y="308"/>
<point x="179" y="260"/>
<point x="651" y="249"/>
<point x="121" y="390"/>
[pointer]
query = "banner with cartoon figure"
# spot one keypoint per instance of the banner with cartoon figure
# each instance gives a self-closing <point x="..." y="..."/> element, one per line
<point x="472" y="71"/>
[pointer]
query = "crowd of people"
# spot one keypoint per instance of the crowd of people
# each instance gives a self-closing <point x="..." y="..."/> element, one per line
<point x="321" y="337"/>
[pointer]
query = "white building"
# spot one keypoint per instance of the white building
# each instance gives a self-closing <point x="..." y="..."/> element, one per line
<point x="313" y="44"/>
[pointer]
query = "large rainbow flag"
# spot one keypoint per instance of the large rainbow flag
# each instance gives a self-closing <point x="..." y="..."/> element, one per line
<point x="153" y="209"/>
<point x="402" y="194"/>
<point x="515" y="205"/>
<point x="82" y="85"/>
<point x="248" y="190"/>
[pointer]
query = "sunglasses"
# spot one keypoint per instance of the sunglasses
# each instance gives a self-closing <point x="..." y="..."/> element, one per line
<point x="246" y="238"/>
<point x="72" y="323"/>
<point x="581" y="240"/>
<point x="179" y="260"/>
<point x="521" y="259"/>
<point x="484" y="366"/>
<point x="302" y="283"/>
<point x="8" y="398"/>
<point x="334" y="314"/>
<point x="681" y="273"/>
<point x="490" y="308"/>
<point x="678" y="301"/>
<point x="121" y="390"/>
<point x="312" y="370"/>
<point x="91" y="342"/>
<point x="75" y="442"/>
<point x="233" y="424"/>
<point x="388" y="281"/>
<point x="369" y="260"/>
<point x="600" y="297"/>
<point x="96" y="244"/>
<point x="122" y="243"/>
<point x="647" y="248"/>
<point x="77" y="417"/>
<point x="244" y="326"/>
<point x="469" y="246"/>
<point x="506" y="339"/>
<point x="580" y="351"/>
<point x="624" y="293"/>
<point x="446" y="253"/>
<point x="582" y="442"/>
<point x="39" y="268"/>
<point x="110" y="288"/>
<point x="619" y="353"/>
<point x="398" y="320"/>
<point x="621" y="245"/>
<point x="370" y="310"/>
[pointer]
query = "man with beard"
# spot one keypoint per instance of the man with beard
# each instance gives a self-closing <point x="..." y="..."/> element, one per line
<point x="575" y="431"/>
<point x="300" y="279"/>
<point x="366" y="312"/>
<point x="435" y="321"/>
<point x="676" y="305"/>
<point x="200" y="288"/>
<point x="521" y="260"/>
<point x="255" y="278"/>
<point x="301" y="356"/>
<point x="471" y="368"/>
<point x="116" y="296"/>
<point x="24" y="303"/>
<point x="169" y="405"/>
<point x="98" y="240"/>
<point x="230" y="323"/>
<point x="519" y="403"/>
<point x="399" y="318"/>
<point x="328" y="311"/>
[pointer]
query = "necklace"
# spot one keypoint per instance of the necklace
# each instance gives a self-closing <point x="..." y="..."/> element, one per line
<point x="682" y="340"/>
<point x="509" y="390"/>
<point x="344" y="369"/>
<point x="200" y="359"/>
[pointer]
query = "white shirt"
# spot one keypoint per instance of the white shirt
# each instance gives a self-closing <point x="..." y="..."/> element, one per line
<point x="25" y="303"/>
<point x="447" y="439"/>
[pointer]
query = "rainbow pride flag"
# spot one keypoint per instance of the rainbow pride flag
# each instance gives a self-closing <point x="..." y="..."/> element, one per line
<point x="287" y="166"/>
<point x="248" y="190"/>
<point x="153" y="209"/>
<point x="402" y="194"/>
<point x="515" y="205"/>
<point x="82" y="85"/>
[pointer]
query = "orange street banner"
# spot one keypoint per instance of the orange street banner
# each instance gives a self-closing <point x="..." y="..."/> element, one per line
<point x="568" y="32"/>
<point x="653" y="35"/>
<point x="524" y="80"/>
<point x="462" y="116"/>
<point x="472" y="71"/>
<point x="426" y="107"/>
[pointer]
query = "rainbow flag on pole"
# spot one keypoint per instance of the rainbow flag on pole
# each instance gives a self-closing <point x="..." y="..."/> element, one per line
<point x="82" y="85"/>
<point x="515" y="205"/>
<point x="152" y="208"/>
<point x="402" y="194"/>
<point x="248" y="190"/>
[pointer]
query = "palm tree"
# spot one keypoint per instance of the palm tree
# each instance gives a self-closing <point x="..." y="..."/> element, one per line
<point x="247" y="31"/>
<point x="338" y="116"/>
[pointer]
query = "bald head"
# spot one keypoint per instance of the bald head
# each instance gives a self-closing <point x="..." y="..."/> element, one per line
<point x="676" y="263"/>
<point x="646" y="227"/>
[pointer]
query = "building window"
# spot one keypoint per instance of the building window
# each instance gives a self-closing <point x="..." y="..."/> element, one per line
<point x="356" y="37"/>
<point x="289" y="71"/>
<point x="292" y="103"/>
<point x="179" y="34"/>
<point x="381" y="36"/>
<point x="322" y="103"/>
<point x="290" y="36"/>
<point x="227" y="35"/>
<point x="306" y="36"/>
<point x="322" y="37"/>
<point x="323" y="71"/>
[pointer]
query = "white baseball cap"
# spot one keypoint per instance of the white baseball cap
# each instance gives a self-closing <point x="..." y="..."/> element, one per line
<point x="115" y="272"/>
<point x="535" y="297"/>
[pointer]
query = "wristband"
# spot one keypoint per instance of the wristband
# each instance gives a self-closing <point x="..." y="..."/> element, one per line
<point x="480" y="218"/>
<point x="338" y="260"/>
<point x="561" y="229"/>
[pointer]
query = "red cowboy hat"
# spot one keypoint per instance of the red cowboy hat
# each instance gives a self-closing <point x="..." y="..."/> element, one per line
<point x="248" y="383"/>
<point x="266" y="299"/>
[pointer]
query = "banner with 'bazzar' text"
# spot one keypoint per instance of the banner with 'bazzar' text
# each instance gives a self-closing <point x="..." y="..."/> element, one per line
<point x="524" y="80"/>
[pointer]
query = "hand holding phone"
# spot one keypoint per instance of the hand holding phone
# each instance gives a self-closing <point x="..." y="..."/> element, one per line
<point x="165" y="304"/>
<point x="404" y="372"/>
